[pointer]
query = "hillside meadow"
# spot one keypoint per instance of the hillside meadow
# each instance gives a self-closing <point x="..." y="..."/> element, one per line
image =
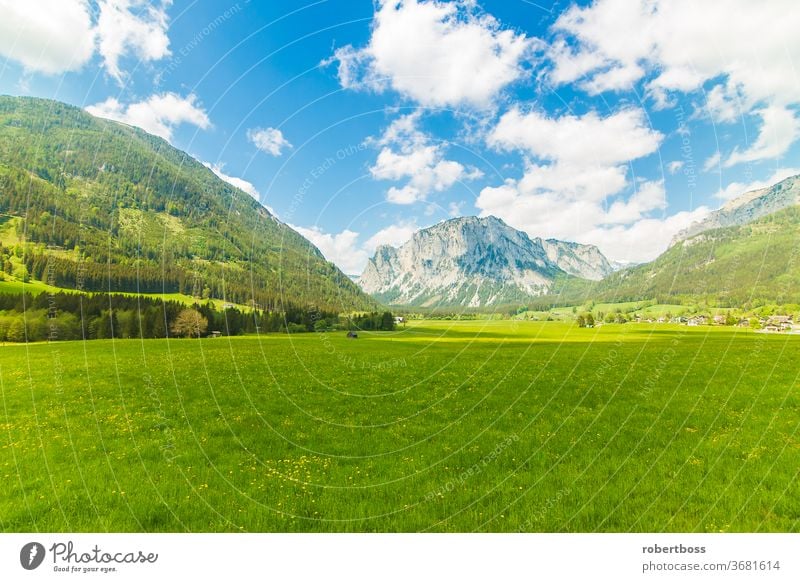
<point x="441" y="426"/>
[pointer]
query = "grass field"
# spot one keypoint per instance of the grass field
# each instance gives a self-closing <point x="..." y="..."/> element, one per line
<point x="468" y="426"/>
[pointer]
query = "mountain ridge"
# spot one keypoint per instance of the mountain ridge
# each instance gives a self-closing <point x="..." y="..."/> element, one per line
<point x="746" y="208"/>
<point x="122" y="210"/>
<point x="475" y="262"/>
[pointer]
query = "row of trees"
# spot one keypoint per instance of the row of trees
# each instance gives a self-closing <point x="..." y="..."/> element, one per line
<point x="71" y="316"/>
<point x="374" y="321"/>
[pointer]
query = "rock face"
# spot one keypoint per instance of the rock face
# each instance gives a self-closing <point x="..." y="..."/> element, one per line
<point x="584" y="261"/>
<point x="748" y="207"/>
<point x="475" y="262"/>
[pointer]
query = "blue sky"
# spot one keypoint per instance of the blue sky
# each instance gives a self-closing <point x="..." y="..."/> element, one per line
<point x="614" y="122"/>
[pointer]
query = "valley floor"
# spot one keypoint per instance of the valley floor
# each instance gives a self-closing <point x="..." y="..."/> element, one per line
<point x="441" y="426"/>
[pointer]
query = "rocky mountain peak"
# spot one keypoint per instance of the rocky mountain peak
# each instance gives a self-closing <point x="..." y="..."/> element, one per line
<point x="475" y="261"/>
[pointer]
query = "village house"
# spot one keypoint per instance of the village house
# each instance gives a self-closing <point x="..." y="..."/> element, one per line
<point x="780" y="323"/>
<point x="696" y="320"/>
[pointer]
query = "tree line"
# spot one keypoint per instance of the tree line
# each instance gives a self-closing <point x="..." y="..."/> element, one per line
<point x="75" y="316"/>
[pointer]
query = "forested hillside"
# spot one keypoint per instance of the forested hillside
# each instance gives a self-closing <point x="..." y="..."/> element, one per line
<point x="102" y="206"/>
<point x="744" y="266"/>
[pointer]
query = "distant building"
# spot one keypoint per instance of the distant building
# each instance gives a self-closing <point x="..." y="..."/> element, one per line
<point x="719" y="319"/>
<point x="696" y="320"/>
<point x="216" y="333"/>
<point x="399" y="319"/>
<point x="781" y="322"/>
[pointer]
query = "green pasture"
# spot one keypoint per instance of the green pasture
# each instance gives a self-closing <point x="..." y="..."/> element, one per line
<point x="440" y="426"/>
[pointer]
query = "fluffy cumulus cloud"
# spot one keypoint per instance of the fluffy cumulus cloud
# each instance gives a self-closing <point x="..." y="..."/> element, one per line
<point x="393" y="235"/>
<point x="48" y="36"/>
<point x="158" y="114"/>
<point x="409" y="155"/>
<point x="736" y="189"/>
<point x="436" y="53"/>
<point x="780" y="127"/>
<point x="131" y="27"/>
<point x="642" y="240"/>
<point x="575" y="185"/>
<point x="588" y="140"/>
<point x="348" y="251"/>
<point x="269" y="140"/>
<point x="579" y="158"/>
<point x="342" y="248"/>
<point x="685" y="46"/>
<point x="56" y="36"/>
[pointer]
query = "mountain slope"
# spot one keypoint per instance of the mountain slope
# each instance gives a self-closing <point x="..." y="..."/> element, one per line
<point x="748" y="207"/>
<point x="751" y="264"/>
<point x="122" y="210"/>
<point x="474" y="262"/>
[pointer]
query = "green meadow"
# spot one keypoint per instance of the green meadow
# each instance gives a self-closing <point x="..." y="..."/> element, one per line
<point x="442" y="426"/>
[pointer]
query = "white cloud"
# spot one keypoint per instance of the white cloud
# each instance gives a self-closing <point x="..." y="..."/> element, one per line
<point x="648" y="196"/>
<point x="158" y="114"/>
<point x="585" y="156"/>
<point x="780" y="127"/>
<point x="617" y="79"/>
<point x="736" y="189"/>
<point x="408" y="154"/>
<point x="643" y="240"/>
<point x="623" y="230"/>
<point x="436" y="53"/>
<point x="579" y="191"/>
<point x="131" y="27"/>
<point x="454" y="209"/>
<point x="239" y="183"/>
<point x="56" y="36"/>
<point x="723" y="103"/>
<point x="269" y="140"/>
<point x="341" y="249"/>
<point x="585" y="140"/>
<point x="712" y="163"/>
<point x="393" y="235"/>
<point x="346" y="252"/>
<point x="675" y="166"/>
<point x="717" y="41"/>
<point x="746" y="50"/>
<point x="48" y="36"/>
